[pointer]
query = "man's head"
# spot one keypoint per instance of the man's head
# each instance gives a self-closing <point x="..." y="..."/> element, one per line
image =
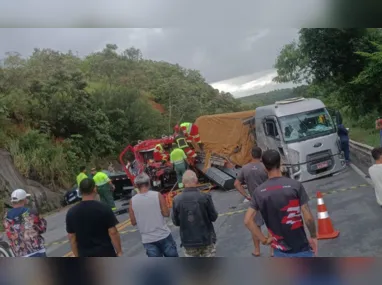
<point x="142" y="181"/>
<point x="189" y="179"/>
<point x="19" y="198"/>
<point x="376" y="153"/>
<point x="256" y="152"/>
<point x="271" y="160"/>
<point x="93" y="171"/>
<point x="83" y="169"/>
<point x="87" y="187"/>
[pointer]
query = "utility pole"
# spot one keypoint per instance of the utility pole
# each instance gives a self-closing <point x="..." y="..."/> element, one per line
<point x="169" y="118"/>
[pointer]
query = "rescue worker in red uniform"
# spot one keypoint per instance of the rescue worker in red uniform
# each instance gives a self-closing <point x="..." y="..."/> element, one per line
<point x="191" y="132"/>
<point x="160" y="155"/>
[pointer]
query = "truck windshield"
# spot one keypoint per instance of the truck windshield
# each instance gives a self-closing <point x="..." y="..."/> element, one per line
<point x="306" y="125"/>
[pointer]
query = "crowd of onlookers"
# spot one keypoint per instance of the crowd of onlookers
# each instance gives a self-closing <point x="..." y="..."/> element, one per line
<point x="279" y="203"/>
<point x="274" y="201"/>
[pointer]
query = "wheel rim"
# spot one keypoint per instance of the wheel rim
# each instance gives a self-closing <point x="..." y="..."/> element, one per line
<point x="5" y="252"/>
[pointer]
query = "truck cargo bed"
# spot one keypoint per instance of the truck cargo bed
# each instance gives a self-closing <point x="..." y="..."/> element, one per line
<point x="222" y="179"/>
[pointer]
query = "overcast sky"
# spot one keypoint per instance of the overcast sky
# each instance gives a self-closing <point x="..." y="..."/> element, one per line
<point x="239" y="61"/>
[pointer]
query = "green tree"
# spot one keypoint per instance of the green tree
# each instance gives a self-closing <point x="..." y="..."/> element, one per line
<point x="331" y="61"/>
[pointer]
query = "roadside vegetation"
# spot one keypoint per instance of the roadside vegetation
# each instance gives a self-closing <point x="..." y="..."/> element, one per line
<point x="59" y="111"/>
<point x="343" y="67"/>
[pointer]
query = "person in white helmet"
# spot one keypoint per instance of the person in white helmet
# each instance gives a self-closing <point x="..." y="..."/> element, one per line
<point x="24" y="227"/>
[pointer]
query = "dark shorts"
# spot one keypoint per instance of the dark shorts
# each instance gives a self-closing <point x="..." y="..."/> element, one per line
<point x="259" y="219"/>
<point x="162" y="248"/>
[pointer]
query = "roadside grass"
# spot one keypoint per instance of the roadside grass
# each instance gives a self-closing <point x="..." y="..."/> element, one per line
<point x="369" y="137"/>
<point x="362" y="132"/>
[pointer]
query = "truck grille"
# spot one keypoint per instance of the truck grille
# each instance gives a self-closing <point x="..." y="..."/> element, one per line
<point x="316" y="160"/>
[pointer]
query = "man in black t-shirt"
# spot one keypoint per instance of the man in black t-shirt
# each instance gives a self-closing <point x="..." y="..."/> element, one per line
<point x="283" y="203"/>
<point x="91" y="226"/>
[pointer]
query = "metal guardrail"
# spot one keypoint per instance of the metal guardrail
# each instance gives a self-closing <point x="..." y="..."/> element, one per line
<point x="361" y="147"/>
<point x="360" y="155"/>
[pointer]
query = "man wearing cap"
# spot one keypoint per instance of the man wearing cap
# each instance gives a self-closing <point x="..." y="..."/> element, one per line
<point x="24" y="227"/>
<point x="104" y="188"/>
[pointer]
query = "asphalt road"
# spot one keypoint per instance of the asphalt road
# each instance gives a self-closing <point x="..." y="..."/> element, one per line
<point x="349" y="199"/>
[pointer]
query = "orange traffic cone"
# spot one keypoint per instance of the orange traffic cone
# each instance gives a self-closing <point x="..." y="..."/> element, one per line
<point x="325" y="226"/>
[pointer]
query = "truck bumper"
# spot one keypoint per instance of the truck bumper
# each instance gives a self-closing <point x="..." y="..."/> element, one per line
<point x="304" y="174"/>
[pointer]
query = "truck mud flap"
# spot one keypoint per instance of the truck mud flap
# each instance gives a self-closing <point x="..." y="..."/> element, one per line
<point x="233" y="172"/>
<point x="219" y="177"/>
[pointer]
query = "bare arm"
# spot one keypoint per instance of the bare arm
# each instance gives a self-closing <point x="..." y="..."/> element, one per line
<point x="116" y="240"/>
<point x="73" y="244"/>
<point x="163" y="206"/>
<point x="239" y="187"/>
<point x="131" y="214"/>
<point x="309" y="220"/>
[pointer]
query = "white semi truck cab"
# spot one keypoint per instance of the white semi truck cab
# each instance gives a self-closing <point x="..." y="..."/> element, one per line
<point x="305" y="135"/>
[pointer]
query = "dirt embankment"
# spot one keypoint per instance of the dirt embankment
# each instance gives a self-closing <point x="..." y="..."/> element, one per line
<point x="10" y="179"/>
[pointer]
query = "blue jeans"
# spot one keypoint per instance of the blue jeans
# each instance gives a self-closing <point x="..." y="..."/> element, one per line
<point x="165" y="247"/>
<point x="39" y="254"/>
<point x="278" y="253"/>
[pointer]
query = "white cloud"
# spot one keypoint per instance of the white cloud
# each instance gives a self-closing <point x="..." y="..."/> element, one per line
<point x="251" y="84"/>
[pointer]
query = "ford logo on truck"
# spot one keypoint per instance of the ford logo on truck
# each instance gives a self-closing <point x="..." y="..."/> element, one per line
<point x="318" y="144"/>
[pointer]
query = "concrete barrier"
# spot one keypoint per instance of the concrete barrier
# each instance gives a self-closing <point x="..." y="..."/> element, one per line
<point x="360" y="155"/>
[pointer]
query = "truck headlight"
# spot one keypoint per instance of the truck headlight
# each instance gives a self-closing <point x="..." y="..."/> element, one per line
<point x="294" y="156"/>
<point x="296" y="168"/>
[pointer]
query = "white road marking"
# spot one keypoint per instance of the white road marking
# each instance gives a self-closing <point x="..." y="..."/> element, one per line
<point x="362" y="174"/>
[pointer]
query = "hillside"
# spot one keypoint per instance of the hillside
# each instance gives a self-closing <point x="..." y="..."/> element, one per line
<point x="59" y="111"/>
<point x="270" y="97"/>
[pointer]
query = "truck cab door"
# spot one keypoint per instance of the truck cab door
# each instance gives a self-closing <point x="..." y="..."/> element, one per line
<point x="272" y="133"/>
<point x="274" y="137"/>
<point x="336" y="116"/>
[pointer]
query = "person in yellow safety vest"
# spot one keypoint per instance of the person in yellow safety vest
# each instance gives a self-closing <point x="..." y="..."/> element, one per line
<point x="191" y="131"/>
<point x="104" y="188"/>
<point x="182" y="143"/>
<point x="322" y="119"/>
<point x="81" y="176"/>
<point x="160" y="154"/>
<point x="179" y="160"/>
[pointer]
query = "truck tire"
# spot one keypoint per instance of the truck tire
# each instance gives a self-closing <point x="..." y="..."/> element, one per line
<point x="5" y="250"/>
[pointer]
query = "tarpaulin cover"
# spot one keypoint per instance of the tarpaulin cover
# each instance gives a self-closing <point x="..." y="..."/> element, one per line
<point x="223" y="134"/>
